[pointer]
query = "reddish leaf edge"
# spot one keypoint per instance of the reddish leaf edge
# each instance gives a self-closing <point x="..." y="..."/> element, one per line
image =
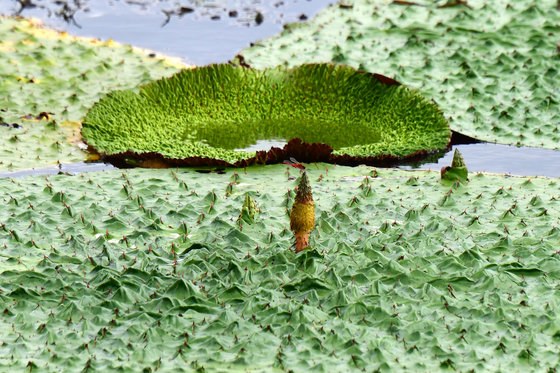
<point x="296" y="148"/>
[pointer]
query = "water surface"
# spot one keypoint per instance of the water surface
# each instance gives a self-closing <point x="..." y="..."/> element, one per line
<point x="199" y="32"/>
<point x="500" y="159"/>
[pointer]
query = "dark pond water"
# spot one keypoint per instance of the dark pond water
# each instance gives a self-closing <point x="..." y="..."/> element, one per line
<point x="204" y="31"/>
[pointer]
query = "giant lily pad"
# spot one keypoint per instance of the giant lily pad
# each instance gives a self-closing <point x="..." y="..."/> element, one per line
<point x="144" y="270"/>
<point x="207" y="114"/>
<point x="491" y="66"/>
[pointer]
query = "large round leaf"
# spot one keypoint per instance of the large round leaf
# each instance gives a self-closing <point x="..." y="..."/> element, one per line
<point x="211" y="113"/>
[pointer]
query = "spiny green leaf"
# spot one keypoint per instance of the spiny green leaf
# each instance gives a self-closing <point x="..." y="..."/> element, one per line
<point x="397" y="278"/>
<point x="491" y="66"/>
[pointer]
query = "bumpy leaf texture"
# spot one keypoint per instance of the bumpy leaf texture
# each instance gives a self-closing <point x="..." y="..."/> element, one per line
<point x="147" y="269"/>
<point x="214" y="112"/>
<point x="44" y="71"/>
<point x="491" y="66"/>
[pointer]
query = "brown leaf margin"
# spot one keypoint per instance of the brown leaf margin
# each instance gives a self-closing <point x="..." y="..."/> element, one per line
<point x="296" y="148"/>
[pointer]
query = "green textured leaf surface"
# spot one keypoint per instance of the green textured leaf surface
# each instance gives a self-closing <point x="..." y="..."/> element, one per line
<point x="492" y="67"/>
<point x="46" y="71"/>
<point x="454" y="174"/>
<point x="458" y="160"/>
<point x="147" y="269"/>
<point x="28" y="142"/>
<point x="212" y="111"/>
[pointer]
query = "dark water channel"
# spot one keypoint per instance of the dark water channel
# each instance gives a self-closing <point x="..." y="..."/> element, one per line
<point x="203" y="31"/>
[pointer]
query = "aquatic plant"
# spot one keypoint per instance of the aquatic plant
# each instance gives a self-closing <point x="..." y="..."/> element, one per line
<point x="209" y="114"/>
<point x="491" y="66"/>
<point x="249" y="209"/>
<point x="141" y="269"/>
<point x="302" y="216"/>
<point x="48" y="81"/>
<point x="457" y="172"/>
